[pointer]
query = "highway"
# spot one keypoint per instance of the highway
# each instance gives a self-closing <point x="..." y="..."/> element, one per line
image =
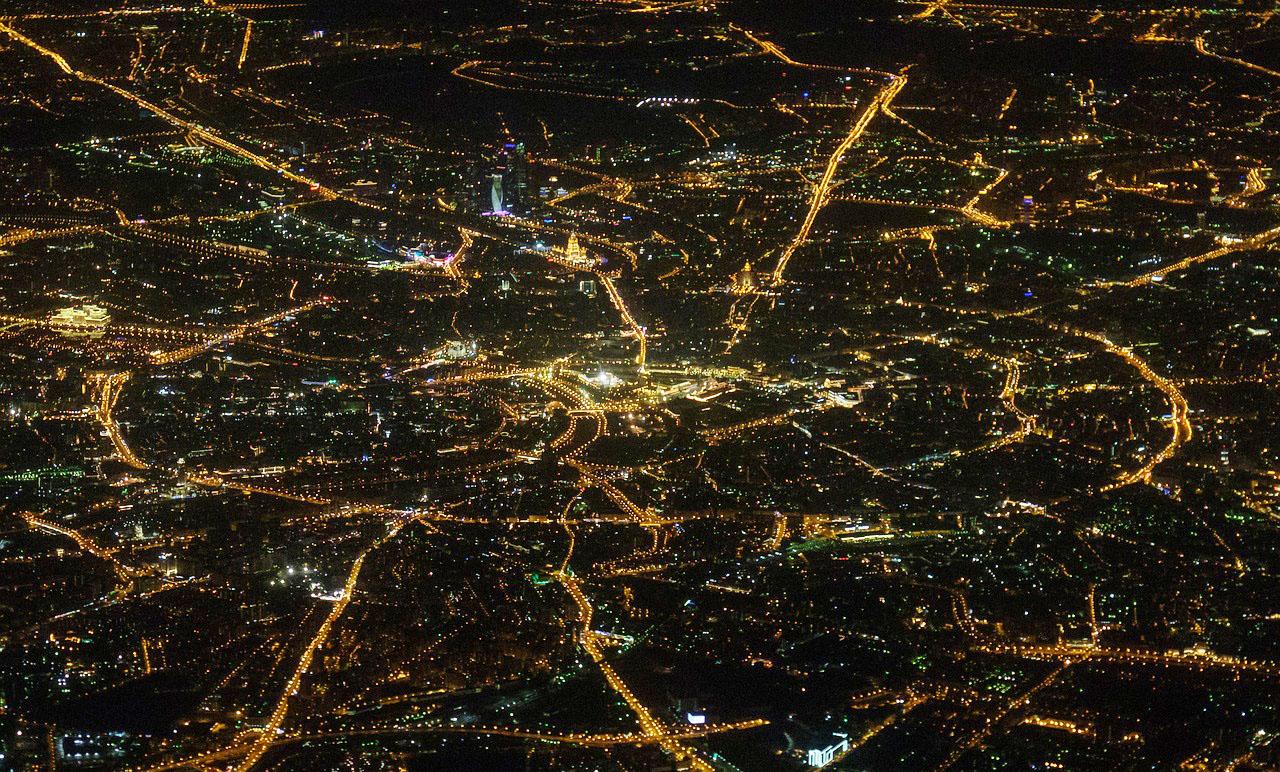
<point x="1256" y="241"/>
<point x="822" y="188"/>
<point x="268" y="733"/>
<point x="126" y="574"/>
<point x="1202" y="48"/>
<point x="636" y="330"/>
<point x="773" y="50"/>
<point x="197" y="131"/>
<point x="1179" y="420"/>
<point x="649" y="726"/>
<point x="1193" y="659"/>
<point x="596" y="740"/>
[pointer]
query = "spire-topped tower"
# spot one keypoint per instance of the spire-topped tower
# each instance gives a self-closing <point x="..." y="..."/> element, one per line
<point x="744" y="281"/>
<point x="573" y="251"/>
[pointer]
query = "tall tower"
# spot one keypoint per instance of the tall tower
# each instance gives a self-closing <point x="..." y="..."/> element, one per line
<point x="498" y="183"/>
<point x="517" y="183"/>
<point x="573" y="251"/>
<point x="744" y="281"/>
<point x="496" y="198"/>
<point x="511" y="166"/>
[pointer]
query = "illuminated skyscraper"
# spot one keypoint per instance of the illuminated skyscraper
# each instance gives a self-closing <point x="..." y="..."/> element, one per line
<point x="501" y="184"/>
<point x="497" y="201"/>
<point x="516" y="177"/>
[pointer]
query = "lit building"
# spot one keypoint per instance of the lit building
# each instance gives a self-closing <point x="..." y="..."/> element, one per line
<point x="87" y="320"/>
<point x="573" y="251"/>
<point x="574" y="255"/>
<point x="501" y="184"/>
<point x="820" y="757"/>
<point x="744" y="281"/>
<point x="461" y="349"/>
<point x="497" y="200"/>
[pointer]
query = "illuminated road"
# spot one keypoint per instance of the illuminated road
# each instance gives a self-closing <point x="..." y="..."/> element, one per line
<point x="126" y="574"/>
<point x="636" y="330"/>
<point x="739" y="319"/>
<point x="933" y="7"/>
<point x="596" y="740"/>
<point x="206" y="338"/>
<point x="991" y="723"/>
<point x="1179" y="420"/>
<point x="773" y="50"/>
<point x="577" y="437"/>
<point x="489" y="73"/>
<point x="236" y="333"/>
<point x="1257" y="241"/>
<point x="268" y="731"/>
<point x="1253" y="185"/>
<point x="628" y="507"/>
<point x="107" y="389"/>
<point x="1188" y="658"/>
<point x="822" y="189"/>
<point x="649" y="726"/>
<point x="199" y="132"/>
<point x="23" y="235"/>
<point x="1203" y="49"/>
